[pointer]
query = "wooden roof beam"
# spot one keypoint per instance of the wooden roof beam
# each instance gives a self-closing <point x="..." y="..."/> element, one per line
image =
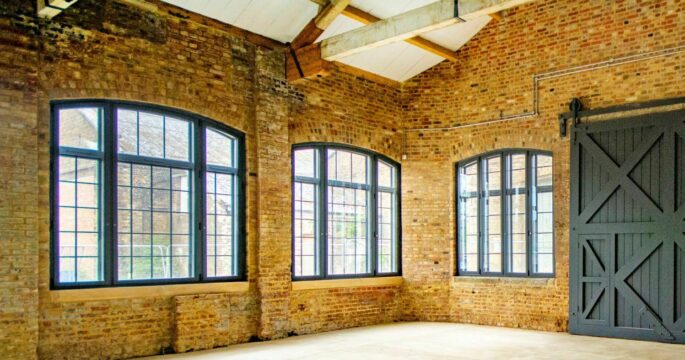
<point x="497" y="16"/>
<point x="393" y="29"/>
<point x="331" y="11"/>
<point x="410" y="24"/>
<point x="324" y="19"/>
<point x="366" y="18"/>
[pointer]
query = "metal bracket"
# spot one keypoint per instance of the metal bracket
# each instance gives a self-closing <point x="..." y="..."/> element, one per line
<point x="562" y="125"/>
<point x="295" y="59"/>
<point x="456" y="11"/>
<point x="575" y="106"/>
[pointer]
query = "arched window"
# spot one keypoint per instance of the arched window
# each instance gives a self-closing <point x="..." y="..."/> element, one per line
<point x="505" y="217"/>
<point x="144" y="195"/>
<point x="345" y="212"/>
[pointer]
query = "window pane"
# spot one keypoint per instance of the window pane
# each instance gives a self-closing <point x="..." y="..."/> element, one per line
<point x="79" y="240"/>
<point x="127" y="131"/>
<point x="387" y="235"/>
<point x="468" y="218"/>
<point x="543" y="216"/>
<point x="305" y="163"/>
<point x="347" y="230"/>
<point x="305" y="230"/>
<point x="517" y="233"/>
<point x="153" y="135"/>
<point x="517" y="171"/>
<point x="154" y="237"/>
<point x="517" y="213"/>
<point x="177" y="139"/>
<point x="544" y="170"/>
<point x="80" y="128"/>
<point x="492" y="222"/>
<point x="219" y="148"/>
<point x="386" y="175"/>
<point x="220" y="208"/>
<point x="347" y="166"/>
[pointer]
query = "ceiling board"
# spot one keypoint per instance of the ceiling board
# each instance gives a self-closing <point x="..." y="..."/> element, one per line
<point x="453" y="37"/>
<point x="385" y="9"/>
<point x="281" y="20"/>
<point x="397" y="61"/>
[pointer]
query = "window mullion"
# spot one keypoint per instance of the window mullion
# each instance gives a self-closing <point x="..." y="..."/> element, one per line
<point x="503" y="213"/>
<point x="529" y="213"/>
<point x="372" y="236"/>
<point x="506" y="220"/>
<point x="109" y="186"/>
<point x="323" y="212"/>
<point x="480" y="216"/>
<point x="198" y="188"/>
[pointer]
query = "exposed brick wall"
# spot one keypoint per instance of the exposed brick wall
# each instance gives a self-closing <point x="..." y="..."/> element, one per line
<point x="19" y="183"/>
<point x="99" y="49"/>
<point x="341" y="108"/>
<point x="104" y="49"/>
<point x="201" y="322"/>
<point x="317" y="310"/>
<point x="162" y="60"/>
<point x="493" y="78"/>
<point x="105" y="329"/>
<point x="274" y="222"/>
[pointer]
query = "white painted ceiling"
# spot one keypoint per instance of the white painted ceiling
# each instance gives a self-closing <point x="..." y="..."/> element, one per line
<point x="282" y="20"/>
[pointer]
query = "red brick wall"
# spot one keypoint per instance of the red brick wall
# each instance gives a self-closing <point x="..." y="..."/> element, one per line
<point x="109" y="50"/>
<point x="492" y="79"/>
<point x="103" y="49"/>
<point x="342" y="108"/>
<point x="19" y="180"/>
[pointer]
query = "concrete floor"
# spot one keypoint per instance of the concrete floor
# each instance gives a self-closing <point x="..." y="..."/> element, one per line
<point x="440" y="341"/>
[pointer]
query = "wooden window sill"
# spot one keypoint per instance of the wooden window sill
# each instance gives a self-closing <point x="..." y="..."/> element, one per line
<point x="346" y="283"/>
<point x="133" y="292"/>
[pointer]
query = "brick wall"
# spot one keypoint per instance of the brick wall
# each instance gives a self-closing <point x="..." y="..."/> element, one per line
<point x="342" y="108"/>
<point x="493" y="79"/>
<point x="19" y="214"/>
<point x="109" y="50"/>
<point x="105" y="49"/>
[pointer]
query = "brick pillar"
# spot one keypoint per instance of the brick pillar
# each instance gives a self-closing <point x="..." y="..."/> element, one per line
<point x="19" y="206"/>
<point x="273" y="164"/>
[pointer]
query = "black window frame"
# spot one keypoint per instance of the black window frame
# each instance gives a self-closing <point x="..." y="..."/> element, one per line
<point x="504" y="170"/>
<point x="322" y="216"/>
<point x="108" y="197"/>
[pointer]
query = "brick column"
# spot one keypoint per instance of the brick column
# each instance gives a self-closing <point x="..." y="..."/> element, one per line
<point x="19" y="206"/>
<point x="273" y="164"/>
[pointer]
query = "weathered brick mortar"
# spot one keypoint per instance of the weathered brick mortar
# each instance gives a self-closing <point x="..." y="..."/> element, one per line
<point x="493" y="78"/>
<point x="108" y="50"/>
<point x="104" y="49"/>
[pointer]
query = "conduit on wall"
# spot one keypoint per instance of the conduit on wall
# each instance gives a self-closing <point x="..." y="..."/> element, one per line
<point x="537" y="78"/>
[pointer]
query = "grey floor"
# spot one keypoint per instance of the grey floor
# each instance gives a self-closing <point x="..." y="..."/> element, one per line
<point x="421" y="340"/>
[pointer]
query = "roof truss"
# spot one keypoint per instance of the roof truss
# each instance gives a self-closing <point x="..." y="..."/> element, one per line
<point x="309" y="59"/>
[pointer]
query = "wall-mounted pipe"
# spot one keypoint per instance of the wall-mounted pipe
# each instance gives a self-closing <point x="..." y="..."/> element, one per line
<point x="537" y="78"/>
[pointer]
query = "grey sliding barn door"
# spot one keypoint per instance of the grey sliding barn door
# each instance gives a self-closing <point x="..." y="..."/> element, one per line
<point x="627" y="260"/>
